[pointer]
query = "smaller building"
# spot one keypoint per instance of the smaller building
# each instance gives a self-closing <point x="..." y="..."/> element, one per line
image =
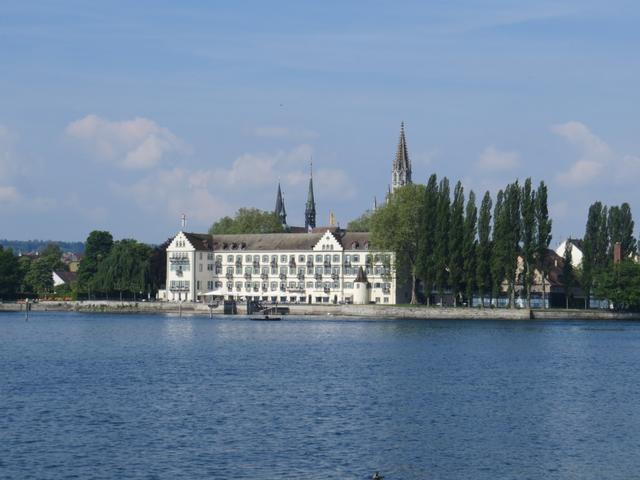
<point x="62" y="277"/>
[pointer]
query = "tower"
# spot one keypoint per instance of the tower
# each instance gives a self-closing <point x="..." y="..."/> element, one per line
<point x="401" y="173"/>
<point x="310" y="207"/>
<point x="280" y="210"/>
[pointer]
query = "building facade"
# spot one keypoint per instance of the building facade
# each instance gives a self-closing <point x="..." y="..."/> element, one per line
<point x="320" y="266"/>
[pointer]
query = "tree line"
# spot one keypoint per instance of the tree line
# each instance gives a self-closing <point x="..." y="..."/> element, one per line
<point x="447" y="244"/>
<point x="123" y="268"/>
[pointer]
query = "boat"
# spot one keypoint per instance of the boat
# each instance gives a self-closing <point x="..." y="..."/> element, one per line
<point x="266" y="318"/>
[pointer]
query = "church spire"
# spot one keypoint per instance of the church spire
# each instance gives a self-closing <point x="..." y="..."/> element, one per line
<point x="280" y="210"/>
<point x="310" y="207"/>
<point x="401" y="173"/>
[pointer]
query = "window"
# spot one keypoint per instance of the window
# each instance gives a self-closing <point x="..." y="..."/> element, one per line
<point x="309" y="284"/>
<point x="198" y="284"/>
<point x="229" y="270"/>
<point x="336" y="259"/>
<point x="301" y="258"/>
<point x="256" y="270"/>
<point x="256" y="258"/>
<point x="247" y="258"/>
<point x="356" y="258"/>
<point x="218" y="284"/>
<point x="318" y="258"/>
<point x="229" y="258"/>
<point x="209" y="285"/>
<point x="218" y="258"/>
<point x="283" y="258"/>
<point x="274" y="270"/>
<point x="210" y="267"/>
<point x="265" y="258"/>
<point x="348" y="284"/>
<point x="200" y="255"/>
<point x="274" y="286"/>
<point x="247" y="270"/>
<point x="199" y="267"/>
<point x="238" y="270"/>
<point x="209" y="256"/>
<point x="283" y="270"/>
<point x="376" y="285"/>
<point x="238" y="285"/>
<point x="318" y="270"/>
<point x="292" y="270"/>
<point x="327" y="259"/>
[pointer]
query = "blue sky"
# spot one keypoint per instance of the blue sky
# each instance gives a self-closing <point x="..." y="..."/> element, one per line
<point x="123" y="115"/>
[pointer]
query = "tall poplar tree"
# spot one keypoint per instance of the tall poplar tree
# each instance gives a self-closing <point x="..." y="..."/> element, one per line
<point x="441" y="247"/>
<point x="426" y="256"/>
<point x="543" y="234"/>
<point x="527" y="206"/>
<point x="567" y="271"/>
<point x="591" y="244"/>
<point x="469" y="247"/>
<point x="511" y="211"/>
<point x="497" y="256"/>
<point x="483" y="257"/>
<point x="456" y="240"/>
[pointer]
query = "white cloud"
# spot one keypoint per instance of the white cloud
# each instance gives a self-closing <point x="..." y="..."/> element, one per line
<point x="493" y="159"/>
<point x="9" y="163"/>
<point x="596" y="155"/>
<point x="133" y="144"/>
<point x="9" y="195"/>
<point x="176" y="191"/>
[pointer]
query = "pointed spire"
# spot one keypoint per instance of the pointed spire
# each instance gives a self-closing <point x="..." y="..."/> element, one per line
<point x="401" y="174"/>
<point x="280" y="211"/>
<point x="375" y="203"/>
<point x="310" y="207"/>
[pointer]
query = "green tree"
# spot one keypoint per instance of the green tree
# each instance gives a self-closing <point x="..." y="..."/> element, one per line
<point x="426" y="254"/>
<point x="125" y="269"/>
<point x="362" y="223"/>
<point x="248" y="220"/>
<point x="441" y="243"/>
<point x="40" y="274"/>
<point x="456" y="243"/>
<point x="620" y="230"/>
<point x="620" y="284"/>
<point x="592" y="246"/>
<point x="527" y="206"/>
<point x="499" y="246"/>
<point x="97" y="247"/>
<point x="469" y="247"/>
<point x="483" y="263"/>
<point x="543" y="234"/>
<point x="10" y="275"/>
<point x="568" y="275"/>
<point x="397" y="227"/>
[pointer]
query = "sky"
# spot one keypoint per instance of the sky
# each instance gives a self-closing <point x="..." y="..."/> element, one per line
<point x="121" y="116"/>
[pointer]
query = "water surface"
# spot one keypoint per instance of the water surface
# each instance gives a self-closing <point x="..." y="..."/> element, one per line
<point x="161" y="397"/>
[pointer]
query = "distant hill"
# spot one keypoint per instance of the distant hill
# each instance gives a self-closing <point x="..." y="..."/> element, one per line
<point x="26" y="246"/>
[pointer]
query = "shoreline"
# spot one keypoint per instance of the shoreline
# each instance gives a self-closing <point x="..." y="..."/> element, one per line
<point x="323" y="311"/>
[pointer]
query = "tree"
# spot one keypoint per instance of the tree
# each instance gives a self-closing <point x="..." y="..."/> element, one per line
<point x="567" y="271"/>
<point x="97" y="247"/>
<point x="483" y="264"/>
<point x="397" y="227"/>
<point x="592" y="244"/>
<point x="528" y="212"/>
<point x="10" y="277"/>
<point x="498" y="244"/>
<point x="511" y="211"/>
<point x="620" y="284"/>
<point x="456" y="241"/>
<point x="441" y="243"/>
<point x="426" y="254"/>
<point x="620" y="230"/>
<point x="248" y="220"/>
<point x="361" y="224"/>
<point x="40" y="274"/>
<point x="125" y="269"/>
<point x="543" y="233"/>
<point x="469" y="247"/>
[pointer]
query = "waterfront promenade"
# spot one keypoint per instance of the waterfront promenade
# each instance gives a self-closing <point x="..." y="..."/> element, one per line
<point x="362" y="311"/>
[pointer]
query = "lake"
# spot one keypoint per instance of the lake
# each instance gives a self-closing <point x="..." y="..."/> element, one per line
<point x="160" y="397"/>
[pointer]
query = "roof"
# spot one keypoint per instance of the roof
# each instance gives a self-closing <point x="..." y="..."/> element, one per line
<point x="277" y="241"/>
<point x="66" y="277"/>
<point x="362" y="276"/>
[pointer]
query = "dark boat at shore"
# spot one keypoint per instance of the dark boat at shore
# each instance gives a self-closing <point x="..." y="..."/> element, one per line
<point x="266" y="318"/>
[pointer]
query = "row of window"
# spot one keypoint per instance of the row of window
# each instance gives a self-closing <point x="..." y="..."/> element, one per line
<point x="179" y="284"/>
<point x="318" y="258"/>
<point x="318" y="270"/>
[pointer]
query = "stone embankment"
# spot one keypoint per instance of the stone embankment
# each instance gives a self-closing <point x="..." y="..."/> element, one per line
<point x="362" y="311"/>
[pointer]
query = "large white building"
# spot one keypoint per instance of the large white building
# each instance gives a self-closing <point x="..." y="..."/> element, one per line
<point x="320" y="266"/>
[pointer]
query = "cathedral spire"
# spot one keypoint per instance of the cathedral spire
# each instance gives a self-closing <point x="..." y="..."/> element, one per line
<point x="401" y="173"/>
<point x="310" y="207"/>
<point x="280" y="210"/>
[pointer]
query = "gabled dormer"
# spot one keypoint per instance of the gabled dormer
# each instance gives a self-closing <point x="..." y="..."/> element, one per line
<point x="327" y="243"/>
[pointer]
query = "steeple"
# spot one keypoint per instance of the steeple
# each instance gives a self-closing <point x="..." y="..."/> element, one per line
<point x="280" y="210"/>
<point x="310" y="207"/>
<point x="401" y="173"/>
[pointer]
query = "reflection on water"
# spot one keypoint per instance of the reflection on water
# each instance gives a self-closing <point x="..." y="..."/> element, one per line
<point x="111" y="396"/>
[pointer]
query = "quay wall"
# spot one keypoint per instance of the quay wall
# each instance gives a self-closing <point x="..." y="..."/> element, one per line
<point x="364" y="311"/>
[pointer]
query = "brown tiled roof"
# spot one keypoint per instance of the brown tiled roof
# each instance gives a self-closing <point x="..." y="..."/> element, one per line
<point x="277" y="241"/>
<point x="362" y="276"/>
